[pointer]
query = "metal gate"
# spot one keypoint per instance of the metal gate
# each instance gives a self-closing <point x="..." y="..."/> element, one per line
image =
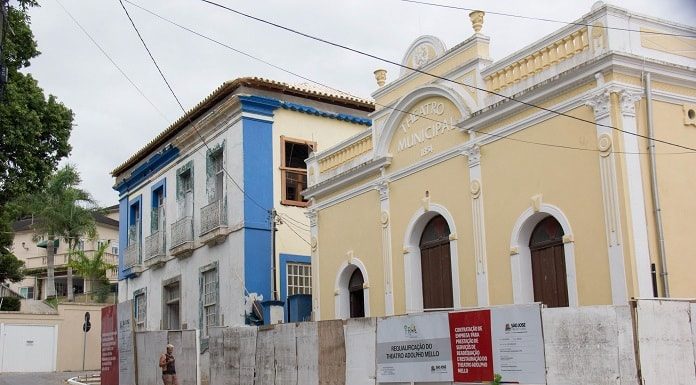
<point x="28" y="348"/>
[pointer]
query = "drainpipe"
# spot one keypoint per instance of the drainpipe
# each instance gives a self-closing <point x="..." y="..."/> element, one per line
<point x="655" y="192"/>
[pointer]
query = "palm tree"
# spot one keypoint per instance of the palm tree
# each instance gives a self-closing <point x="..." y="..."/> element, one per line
<point x="93" y="269"/>
<point x="60" y="210"/>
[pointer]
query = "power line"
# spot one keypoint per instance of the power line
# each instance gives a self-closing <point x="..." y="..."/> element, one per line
<point x="297" y="223"/>
<point x="296" y="233"/>
<point x="378" y="104"/>
<point x="112" y="61"/>
<point x="545" y="19"/>
<point x="373" y="56"/>
<point x="193" y="125"/>
<point x="245" y="291"/>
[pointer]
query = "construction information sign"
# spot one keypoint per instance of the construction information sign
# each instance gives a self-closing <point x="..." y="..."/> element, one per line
<point x="506" y="340"/>
<point x="414" y="348"/>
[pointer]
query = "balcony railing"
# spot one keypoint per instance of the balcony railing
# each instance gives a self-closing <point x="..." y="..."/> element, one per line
<point x="182" y="231"/>
<point x="213" y="216"/>
<point x="154" y="245"/>
<point x="132" y="256"/>
<point x="61" y="260"/>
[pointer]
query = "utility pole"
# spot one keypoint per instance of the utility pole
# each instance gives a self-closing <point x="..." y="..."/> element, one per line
<point x="274" y="230"/>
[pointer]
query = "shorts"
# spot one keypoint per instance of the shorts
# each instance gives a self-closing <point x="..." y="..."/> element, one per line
<point x="169" y="379"/>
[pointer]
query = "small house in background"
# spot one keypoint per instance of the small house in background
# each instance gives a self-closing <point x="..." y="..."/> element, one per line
<point x="31" y="248"/>
<point x="199" y="204"/>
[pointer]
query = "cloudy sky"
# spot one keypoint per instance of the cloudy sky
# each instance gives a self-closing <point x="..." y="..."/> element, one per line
<point x="113" y="120"/>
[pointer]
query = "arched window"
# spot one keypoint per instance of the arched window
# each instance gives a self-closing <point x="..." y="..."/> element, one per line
<point x="436" y="265"/>
<point x="548" y="263"/>
<point x="357" y="296"/>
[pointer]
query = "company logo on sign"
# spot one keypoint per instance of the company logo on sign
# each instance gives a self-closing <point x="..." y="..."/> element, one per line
<point x="512" y="327"/>
<point x="438" y="368"/>
<point x="410" y="331"/>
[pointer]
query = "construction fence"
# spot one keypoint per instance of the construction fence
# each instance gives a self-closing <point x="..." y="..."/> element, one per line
<point x="651" y="342"/>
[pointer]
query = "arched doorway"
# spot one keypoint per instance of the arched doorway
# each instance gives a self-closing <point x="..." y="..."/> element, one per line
<point x="436" y="265"/>
<point x="549" y="278"/>
<point x="356" y="296"/>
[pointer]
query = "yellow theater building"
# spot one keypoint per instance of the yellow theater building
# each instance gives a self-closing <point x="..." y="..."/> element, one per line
<point x="526" y="179"/>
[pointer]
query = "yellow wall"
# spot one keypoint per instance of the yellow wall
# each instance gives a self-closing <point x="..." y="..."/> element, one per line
<point x="677" y="181"/>
<point x="352" y="226"/>
<point x="448" y="185"/>
<point x="513" y="172"/>
<point x="326" y="133"/>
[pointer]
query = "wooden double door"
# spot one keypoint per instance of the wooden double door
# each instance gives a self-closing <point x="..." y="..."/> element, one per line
<point x="436" y="265"/>
<point x="549" y="276"/>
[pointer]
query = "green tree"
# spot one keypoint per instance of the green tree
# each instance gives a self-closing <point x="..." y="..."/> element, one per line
<point x="61" y="210"/>
<point x="11" y="268"/>
<point x="93" y="269"/>
<point x="34" y="129"/>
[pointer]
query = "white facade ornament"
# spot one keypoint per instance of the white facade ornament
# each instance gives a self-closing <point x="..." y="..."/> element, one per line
<point x="604" y="143"/>
<point x="537" y="202"/>
<point x="384" y="218"/>
<point x="421" y="56"/>
<point x="383" y="188"/>
<point x="312" y="215"/>
<point x="628" y="102"/>
<point x="313" y="243"/>
<point x="600" y="103"/>
<point x="475" y="188"/>
<point x="474" y="155"/>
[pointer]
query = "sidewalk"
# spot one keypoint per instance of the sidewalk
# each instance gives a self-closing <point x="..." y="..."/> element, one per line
<point x="57" y="378"/>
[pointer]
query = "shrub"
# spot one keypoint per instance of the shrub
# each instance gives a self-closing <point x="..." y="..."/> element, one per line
<point x="10" y="304"/>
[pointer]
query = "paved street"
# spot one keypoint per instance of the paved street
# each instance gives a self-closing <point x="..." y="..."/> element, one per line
<point x="38" y="378"/>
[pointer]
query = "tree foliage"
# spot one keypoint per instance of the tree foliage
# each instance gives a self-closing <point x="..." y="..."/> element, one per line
<point x="62" y="210"/>
<point x="34" y="129"/>
<point x="11" y="268"/>
<point x="94" y="269"/>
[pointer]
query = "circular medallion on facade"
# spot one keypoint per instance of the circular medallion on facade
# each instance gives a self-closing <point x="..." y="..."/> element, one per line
<point x="384" y="218"/>
<point x="475" y="188"/>
<point x="604" y="144"/>
<point x="313" y="243"/>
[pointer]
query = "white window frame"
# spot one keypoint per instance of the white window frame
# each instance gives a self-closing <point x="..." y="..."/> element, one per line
<point x="298" y="278"/>
<point x="140" y="317"/>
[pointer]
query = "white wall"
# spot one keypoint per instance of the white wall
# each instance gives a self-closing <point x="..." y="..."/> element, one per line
<point x="228" y="254"/>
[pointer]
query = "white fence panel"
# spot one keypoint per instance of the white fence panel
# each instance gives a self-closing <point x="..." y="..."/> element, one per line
<point x="307" y="353"/>
<point x="285" y="354"/>
<point x="265" y="356"/>
<point x="149" y="346"/>
<point x="666" y="344"/>
<point x="360" y="335"/>
<point x="589" y="345"/>
<point x="247" y="354"/>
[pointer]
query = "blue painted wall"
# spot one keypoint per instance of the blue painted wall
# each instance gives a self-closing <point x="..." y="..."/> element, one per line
<point x="258" y="201"/>
<point x="122" y="234"/>
<point x="284" y="260"/>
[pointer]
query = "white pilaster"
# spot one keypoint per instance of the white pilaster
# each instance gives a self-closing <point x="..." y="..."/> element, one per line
<point x="636" y="196"/>
<point x="601" y="104"/>
<point x="474" y="155"/>
<point x="313" y="216"/>
<point x="383" y="188"/>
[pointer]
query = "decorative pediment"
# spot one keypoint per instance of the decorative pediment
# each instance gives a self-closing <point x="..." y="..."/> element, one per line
<point x="422" y="51"/>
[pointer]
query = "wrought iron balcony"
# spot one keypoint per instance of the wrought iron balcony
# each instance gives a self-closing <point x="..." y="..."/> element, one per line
<point x="213" y="216"/>
<point x="182" y="231"/>
<point x="132" y="256"/>
<point x="155" y="251"/>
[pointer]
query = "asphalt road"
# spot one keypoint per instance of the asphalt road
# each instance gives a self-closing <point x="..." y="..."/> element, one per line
<point x="58" y="378"/>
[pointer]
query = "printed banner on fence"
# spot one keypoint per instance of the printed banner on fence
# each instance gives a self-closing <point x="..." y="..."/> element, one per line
<point x="414" y="348"/>
<point x="126" y="344"/>
<point x="506" y="340"/>
<point x="109" y="345"/>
